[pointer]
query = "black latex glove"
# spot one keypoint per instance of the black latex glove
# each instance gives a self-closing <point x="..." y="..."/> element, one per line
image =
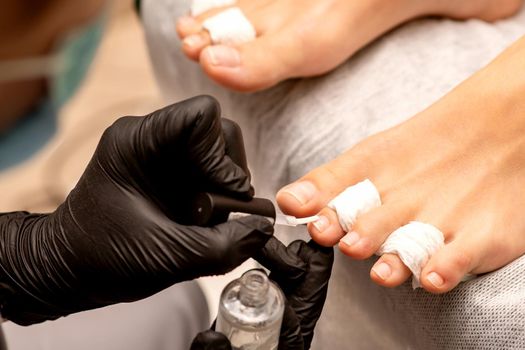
<point x="302" y="270"/>
<point x="119" y="234"/>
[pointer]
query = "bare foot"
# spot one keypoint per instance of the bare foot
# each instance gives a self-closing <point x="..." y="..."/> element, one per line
<point x="459" y="165"/>
<point x="302" y="38"/>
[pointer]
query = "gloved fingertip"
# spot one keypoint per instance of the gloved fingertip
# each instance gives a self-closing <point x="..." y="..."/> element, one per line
<point x="316" y="246"/>
<point x="259" y="223"/>
<point x="311" y="250"/>
<point x="276" y="257"/>
<point x="205" y="102"/>
<point x="210" y="340"/>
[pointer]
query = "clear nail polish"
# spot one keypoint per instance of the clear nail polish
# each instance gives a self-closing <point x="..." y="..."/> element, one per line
<point x="223" y="56"/>
<point x="193" y="40"/>
<point x="383" y="270"/>
<point x="251" y="311"/>
<point x="322" y="223"/>
<point x="436" y="280"/>
<point x="350" y="238"/>
<point x="302" y="191"/>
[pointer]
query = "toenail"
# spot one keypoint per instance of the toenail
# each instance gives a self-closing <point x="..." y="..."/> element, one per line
<point x="187" y="21"/>
<point x="350" y="238"/>
<point x="223" y="56"/>
<point x="194" y="40"/>
<point x="435" y="279"/>
<point x="302" y="191"/>
<point x="322" y="223"/>
<point x="383" y="270"/>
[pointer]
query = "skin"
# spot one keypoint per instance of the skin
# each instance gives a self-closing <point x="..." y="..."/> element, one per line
<point x="32" y="29"/>
<point x="471" y="146"/>
<point x="314" y="40"/>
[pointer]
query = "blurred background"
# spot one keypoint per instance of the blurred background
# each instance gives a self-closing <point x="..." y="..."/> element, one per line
<point x="119" y="82"/>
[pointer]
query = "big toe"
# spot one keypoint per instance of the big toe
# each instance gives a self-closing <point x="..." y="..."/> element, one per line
<point x="308" y="195"/>
<point x="252" y="66"/>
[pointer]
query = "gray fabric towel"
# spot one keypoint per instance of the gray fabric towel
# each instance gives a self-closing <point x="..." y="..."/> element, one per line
<point x="303" y="123"/>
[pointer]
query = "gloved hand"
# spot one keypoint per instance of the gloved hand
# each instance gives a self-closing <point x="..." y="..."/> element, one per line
<point x="119" y="235"/>
<point x="302" y="270"/>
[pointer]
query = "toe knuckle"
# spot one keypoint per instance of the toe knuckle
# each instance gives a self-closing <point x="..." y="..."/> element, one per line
<point x="461" y="260"/>
<point x="364" y="227"/>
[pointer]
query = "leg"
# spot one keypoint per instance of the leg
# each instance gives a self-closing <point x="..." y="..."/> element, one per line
<point x="311" y="38"/>
<point x="458" y="165"/>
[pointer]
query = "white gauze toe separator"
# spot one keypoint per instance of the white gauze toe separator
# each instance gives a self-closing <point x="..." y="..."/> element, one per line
<point x="354" y="201"/>
<point x="230" y="27"/>
<point x="414" y="243"/>
<point x="200" y="6"/>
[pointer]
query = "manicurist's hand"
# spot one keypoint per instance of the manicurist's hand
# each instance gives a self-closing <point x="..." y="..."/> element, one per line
<point x="120" y="234"/>
<point x="302" y="270"/>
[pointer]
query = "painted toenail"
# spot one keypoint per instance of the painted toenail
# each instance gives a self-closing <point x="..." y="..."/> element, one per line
<point x="383" y="270"/>
<point x="322" y="223"/>
<point x="350" y="238"/>
<point x="435" y="279"/>
<point x="302" y="191"/>
<point x="194" y="40"/>
<point x="223" y="56"/>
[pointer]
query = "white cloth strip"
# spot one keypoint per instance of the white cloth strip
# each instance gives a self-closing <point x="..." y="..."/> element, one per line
<point x="354" y="201"/>
<point x="200" y="6"/>
<point x="289" y="220"/>
<point x="230" y="27"/>
<point x="414" y="243"/>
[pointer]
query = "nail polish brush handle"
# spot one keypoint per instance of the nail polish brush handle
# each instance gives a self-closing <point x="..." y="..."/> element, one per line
<point x="209" y="209"/>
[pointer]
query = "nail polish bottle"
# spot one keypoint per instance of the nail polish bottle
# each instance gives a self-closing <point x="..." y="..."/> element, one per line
<point x="250" y="312"/>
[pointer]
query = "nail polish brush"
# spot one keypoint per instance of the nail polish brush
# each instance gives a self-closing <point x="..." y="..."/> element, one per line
<point x="209" y="209"/>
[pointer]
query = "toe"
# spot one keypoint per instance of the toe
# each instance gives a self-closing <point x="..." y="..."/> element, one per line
<point x="448" y="266"/>
<point x="188" y="25"/>
<point x="326" y="231"/>
<point x="371" y="230"/>
<point x="389" y="271"/>
<point x="301" y="198"/>
<point x="252" y="66"/>
<point x="308" y="195"/>
<point x="193" y="44"/>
